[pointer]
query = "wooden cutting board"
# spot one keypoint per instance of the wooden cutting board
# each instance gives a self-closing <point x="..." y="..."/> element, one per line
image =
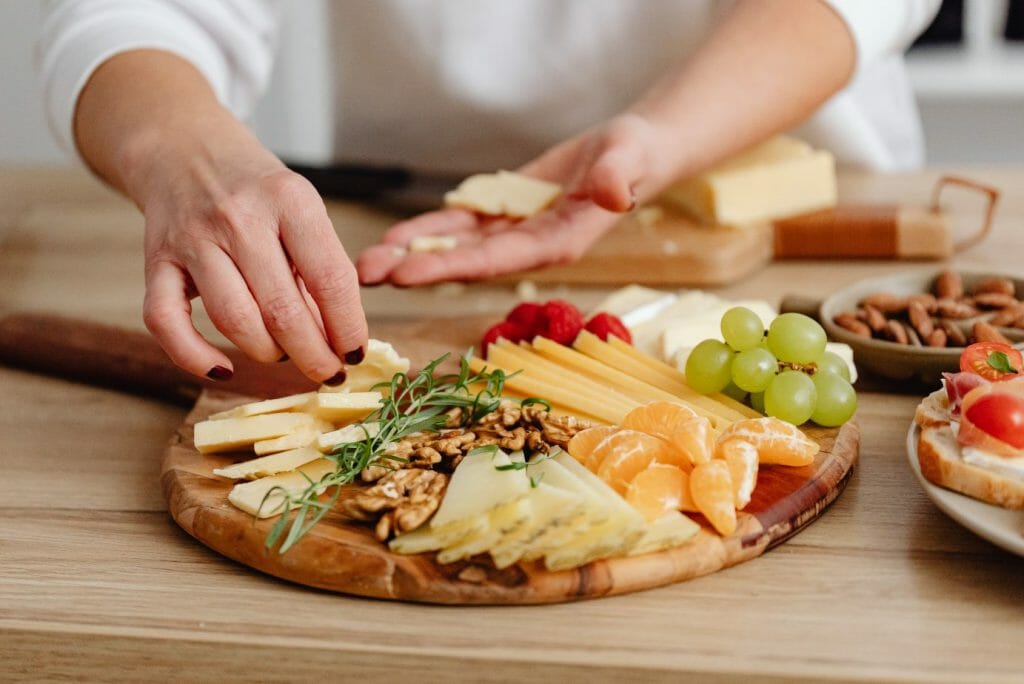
<point x="657" y="245"/>
<point x="342" y="556"/>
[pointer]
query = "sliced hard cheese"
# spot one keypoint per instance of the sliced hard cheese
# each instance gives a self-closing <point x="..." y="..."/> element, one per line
<point x="293" y="402"/>
<point x="670" y="530"/>
<point x="380" y="364"/>
<point x="557" y="516"/>
<point x="504" y="520"/>
<point x="293" y="440"/>
<point x="269" y="492"/>
<point x="269" y="465"/>
<point x="344" y="407"/>
<point x="420" y="540"/>
<point x="475" y="489"/>
<point x="232" y="433"/>
<point x="503" y="194"/>
<point x="359" y="432"/>
<point x="778" y="178"/>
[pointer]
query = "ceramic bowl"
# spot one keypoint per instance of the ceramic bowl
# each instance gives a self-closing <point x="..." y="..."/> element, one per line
<point x="897" y="361"/>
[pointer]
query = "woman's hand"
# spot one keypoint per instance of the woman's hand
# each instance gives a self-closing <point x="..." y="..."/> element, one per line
<point x="225" y="221"/>
<point x="604" y="172"/>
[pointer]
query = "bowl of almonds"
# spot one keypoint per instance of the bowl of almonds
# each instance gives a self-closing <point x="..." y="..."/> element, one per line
<point x="915" y="325"/>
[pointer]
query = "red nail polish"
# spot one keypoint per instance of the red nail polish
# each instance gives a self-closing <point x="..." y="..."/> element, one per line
<point x="336" y="379"/>
<point x="355" y="357"/>
<point x="220" y="373"/>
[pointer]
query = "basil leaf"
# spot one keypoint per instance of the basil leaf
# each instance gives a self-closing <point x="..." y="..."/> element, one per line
<point x="1001" y="362"/>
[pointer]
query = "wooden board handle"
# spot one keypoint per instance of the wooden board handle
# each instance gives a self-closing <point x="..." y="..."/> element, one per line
<point x="126" y="360"/>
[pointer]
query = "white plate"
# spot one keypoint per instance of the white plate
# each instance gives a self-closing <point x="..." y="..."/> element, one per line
<point x="1000" y="526"/>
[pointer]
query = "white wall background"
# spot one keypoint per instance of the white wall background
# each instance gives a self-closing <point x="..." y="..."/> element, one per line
<point x="972" y="103"/>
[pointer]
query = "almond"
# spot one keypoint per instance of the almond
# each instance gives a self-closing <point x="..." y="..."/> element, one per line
<point x="895" y="332"/>
<point x="955" y="337"/>
<point x="995" y="286"/>
<point x="1008" y="316"/>
<point x="937" y="338"/>
<point x="949" y="285"/>
<point x="949" y="308"/>
<point x="920" y="319"/>
<point x="874" y="318"/>
<point x="994" y="300"/>
<point x="927" y="301"/>
<point x="886" y="302"/>
<point x="984" y="332"/>
<point x="849" y="321"/>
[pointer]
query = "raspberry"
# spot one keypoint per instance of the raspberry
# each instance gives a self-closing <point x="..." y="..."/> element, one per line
<point x="604" y="324"/>
<point x="560" y="322"/>
<point x="513" y="332"/>
<point x="528" y="315"/>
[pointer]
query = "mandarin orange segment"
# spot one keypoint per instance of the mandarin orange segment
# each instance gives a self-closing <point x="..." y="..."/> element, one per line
<point x="696" y="439"/>
<point x="657" y="490"/>
<point x="662" y="419"/>
<point x="583" y="443"/>
<point x="776" y="441"/>
<point x="741" y="458"/>
<point x="622" y="455"/>
<point x="712" y="491"/>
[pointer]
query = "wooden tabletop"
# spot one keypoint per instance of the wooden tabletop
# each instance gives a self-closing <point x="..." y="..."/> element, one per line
<point x="97" y="582"/>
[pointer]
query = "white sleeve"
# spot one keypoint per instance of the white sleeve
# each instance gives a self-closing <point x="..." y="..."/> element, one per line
<point x="884" y="27"/>
<point x="231" y="42"/>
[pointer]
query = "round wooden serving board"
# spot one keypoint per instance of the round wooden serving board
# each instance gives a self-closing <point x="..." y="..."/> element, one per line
<point x="343" y="556"/>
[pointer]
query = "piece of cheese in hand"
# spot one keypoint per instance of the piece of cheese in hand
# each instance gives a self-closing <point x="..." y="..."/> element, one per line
<point x="265" y="497"/>
<point x="344" y="407"/>
<point x="269" y="465"/>
<point x="380" y="364"/>
<point x="433" y="243"/>
<point x="211" y="436"/>
<point x="781" y="177"/>
<point x="503" y="194"/>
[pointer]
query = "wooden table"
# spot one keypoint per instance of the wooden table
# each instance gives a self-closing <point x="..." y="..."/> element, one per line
<point x="96" y="581"/>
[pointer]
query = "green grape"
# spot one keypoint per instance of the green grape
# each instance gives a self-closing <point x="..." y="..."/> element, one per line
<point x="757" y="401"/>
<point x="791" y="396"/>
<point x="836" y="400"/>
<point x="753" y="369"/>
<point x="731" y="390"/>
<point x="796" y="338"/>
<point x="707" y="367"/>
<point x="742" y="329"/>
<point x="830" y="362"/>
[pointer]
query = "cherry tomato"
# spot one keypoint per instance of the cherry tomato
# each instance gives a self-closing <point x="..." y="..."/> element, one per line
<point x="1001" y="416"/>
<point x="992" y="360"/>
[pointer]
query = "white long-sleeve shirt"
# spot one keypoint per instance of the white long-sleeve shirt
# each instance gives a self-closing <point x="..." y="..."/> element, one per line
<point x="468" y="85"/>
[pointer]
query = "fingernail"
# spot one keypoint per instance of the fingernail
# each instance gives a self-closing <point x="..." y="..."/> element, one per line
<point x="284" y="357"/>
<point x="336" y="379"/>
<point x="355" y="357"/>
<point x="220" y="373"/>
<point x="577" y="195"/>
<point x="632" y="199"/>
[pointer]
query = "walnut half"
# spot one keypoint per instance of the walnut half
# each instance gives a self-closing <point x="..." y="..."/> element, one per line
<point x="399" y="502"/>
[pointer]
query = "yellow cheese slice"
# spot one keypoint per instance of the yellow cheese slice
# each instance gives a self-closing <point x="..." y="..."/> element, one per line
<point x="293" y="440"/>
<point x="420" y="540"/>
<point x="504" y="520"/>
<point x="344" y="407"/>
<point x="558" y="515"/>
<point x="779" y="178"/>
<point x="232" y="433"/>
<point x="270" y="491"/>
<point x="358" y="432"/>
<point x="670" y="530"/>
<point x="503" y="194"/>
<point x="293" y="402"/>
<point x="269" y="465"/>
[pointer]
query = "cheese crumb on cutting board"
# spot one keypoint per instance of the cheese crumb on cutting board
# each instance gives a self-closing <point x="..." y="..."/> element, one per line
<point x="503" y="194"/>
<point x="779" y="178"/>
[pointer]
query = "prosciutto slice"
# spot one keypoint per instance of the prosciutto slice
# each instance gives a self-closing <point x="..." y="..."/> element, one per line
<point x="958" y="385"/>
<point x="971" y="435"/>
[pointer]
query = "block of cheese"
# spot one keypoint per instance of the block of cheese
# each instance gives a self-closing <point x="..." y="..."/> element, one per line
<point x="503" y="194"/>
<point x="779" y="178"/>
<point x="280" y="462"/>
<point x="232" y="433"/>
<point x="265" y="497"/>
<point x="343" y="407"/>
<point x="380" y="364"/>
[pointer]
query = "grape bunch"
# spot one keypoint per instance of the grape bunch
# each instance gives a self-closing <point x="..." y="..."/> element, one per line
<point x="785" y="372"/>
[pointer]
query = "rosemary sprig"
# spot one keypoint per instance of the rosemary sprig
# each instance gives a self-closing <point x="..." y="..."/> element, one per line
<point x="411" y="404"/>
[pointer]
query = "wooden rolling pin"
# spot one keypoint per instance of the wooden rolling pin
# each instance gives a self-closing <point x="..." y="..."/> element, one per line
<point x="127" y="360"/>
<point x="880" y="231"/>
